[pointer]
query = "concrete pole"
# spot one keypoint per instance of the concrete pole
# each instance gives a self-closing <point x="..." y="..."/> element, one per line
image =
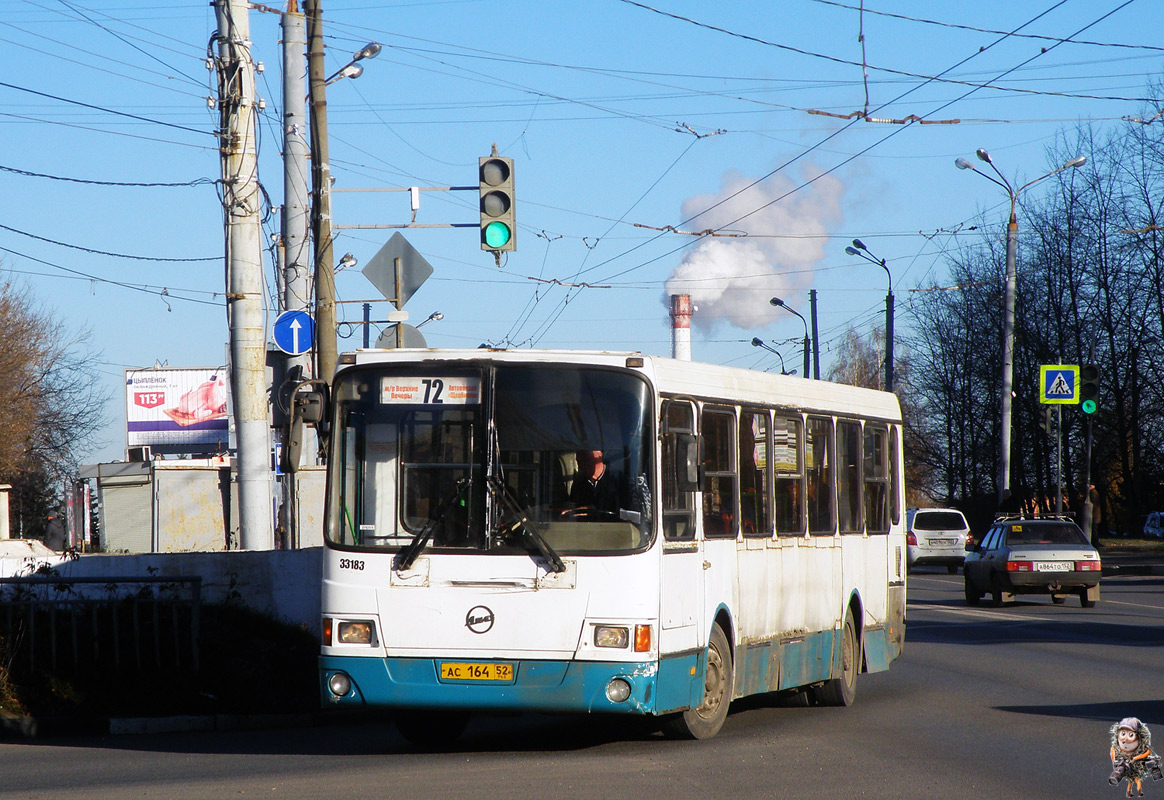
<point x="297" y="280"/>
<point x="889" y="339"/>
<point x="1007" y="353"/>
<point x="815" y="339"/>
<point x="325" y="343"/>
<point x="242" y="203"/>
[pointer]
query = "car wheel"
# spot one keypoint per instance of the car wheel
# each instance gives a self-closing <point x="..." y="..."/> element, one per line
<point x="997" y="597"/>
<point x="972" y="594"/>
<point x="1089" y="597"/>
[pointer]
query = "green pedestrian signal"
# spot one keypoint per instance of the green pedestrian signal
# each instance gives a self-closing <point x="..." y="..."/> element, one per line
<point x="498" y="226"/>
<point x="1089" y="388"/>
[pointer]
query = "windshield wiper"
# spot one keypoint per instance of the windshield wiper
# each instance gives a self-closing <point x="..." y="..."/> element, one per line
<point x="532" y="535"/>
<point x="406" y="556"/>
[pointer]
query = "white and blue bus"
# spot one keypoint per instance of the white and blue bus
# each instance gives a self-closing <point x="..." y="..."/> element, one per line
<point x="603" y="533"/>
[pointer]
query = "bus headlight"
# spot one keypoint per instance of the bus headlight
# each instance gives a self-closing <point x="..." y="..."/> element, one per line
<point x="340" y="684"/>
<point x="611" y="636"/>
<point x="618" y="690"/>
<point x="355" y="632"/>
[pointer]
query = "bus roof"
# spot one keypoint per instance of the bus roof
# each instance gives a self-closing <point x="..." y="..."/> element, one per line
<point x="675" y="377"/>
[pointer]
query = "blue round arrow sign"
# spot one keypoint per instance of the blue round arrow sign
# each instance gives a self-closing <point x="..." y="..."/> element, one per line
<point x="294" y="332"/>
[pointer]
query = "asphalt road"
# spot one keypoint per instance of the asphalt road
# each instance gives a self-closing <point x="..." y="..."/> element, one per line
<point x="1013" y="702"/>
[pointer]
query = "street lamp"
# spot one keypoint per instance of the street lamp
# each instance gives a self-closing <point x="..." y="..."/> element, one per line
<point x="776" y="301"/>
<point x="352" y="69"/>
<point x="435" y="316"/>
<point x="761" y="343"/>
<point x="859" y="249"/>
<point x="1008" y="300"/>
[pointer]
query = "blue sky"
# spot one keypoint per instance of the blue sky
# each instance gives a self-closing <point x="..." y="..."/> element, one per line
<point x="625" y="120"/>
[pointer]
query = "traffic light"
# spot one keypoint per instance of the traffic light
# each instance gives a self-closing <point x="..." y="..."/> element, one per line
<point x="498" y="229"/>
<point x="1048" y="421"/>
<point x="1089" y="388"/>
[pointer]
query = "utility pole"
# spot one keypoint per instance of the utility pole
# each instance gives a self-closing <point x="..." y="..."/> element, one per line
<point x="815" y="338"/>
<point x="325" y="343"/>
<point x="297" y="282"/>
<point x="244" y="296"/>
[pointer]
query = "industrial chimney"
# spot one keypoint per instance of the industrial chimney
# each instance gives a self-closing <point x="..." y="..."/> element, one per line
<point x="681" y="327"/>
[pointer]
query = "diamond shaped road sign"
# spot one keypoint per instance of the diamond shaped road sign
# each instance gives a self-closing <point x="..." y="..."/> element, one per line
<point x="397" y="261"/>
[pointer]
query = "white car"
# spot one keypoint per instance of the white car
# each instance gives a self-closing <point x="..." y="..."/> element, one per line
<point x="936" y="536"/>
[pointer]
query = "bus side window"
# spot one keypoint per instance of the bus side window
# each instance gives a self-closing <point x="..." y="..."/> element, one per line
<point x="819" y="454"/>
<point x="678" y="498"/>
<point x="787" y="461"/>
<point x="755" y="474"/>
<point x="849" y="488"/>
<point x="720" y="481"/>
<point x="877" y="479"/>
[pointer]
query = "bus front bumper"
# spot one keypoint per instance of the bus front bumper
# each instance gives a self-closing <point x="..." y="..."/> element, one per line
<point x="536" y="685"/>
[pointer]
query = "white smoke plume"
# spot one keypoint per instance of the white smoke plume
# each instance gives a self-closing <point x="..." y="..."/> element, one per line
<point x="731" y="279"/>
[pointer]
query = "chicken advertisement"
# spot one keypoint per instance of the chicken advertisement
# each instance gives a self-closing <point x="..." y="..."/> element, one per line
<point x="183" y="410"/>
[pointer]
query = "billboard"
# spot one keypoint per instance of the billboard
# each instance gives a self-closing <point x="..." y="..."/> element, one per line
<point x="178" y="410"/>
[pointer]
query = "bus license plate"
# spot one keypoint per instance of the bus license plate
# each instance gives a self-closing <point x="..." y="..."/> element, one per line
<point x="1053" y="566"/>
<point x="470" y="671"/>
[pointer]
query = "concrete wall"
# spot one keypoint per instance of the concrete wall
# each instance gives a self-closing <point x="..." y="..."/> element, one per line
<point x="283" y="584"/>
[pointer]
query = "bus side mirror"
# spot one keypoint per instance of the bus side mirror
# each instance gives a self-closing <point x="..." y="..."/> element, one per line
<point x="689" y="464"/>
<point x="306" y="407"/>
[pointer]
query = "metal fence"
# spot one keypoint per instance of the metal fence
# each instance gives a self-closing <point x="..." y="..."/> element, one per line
<point x="59" y="623"/>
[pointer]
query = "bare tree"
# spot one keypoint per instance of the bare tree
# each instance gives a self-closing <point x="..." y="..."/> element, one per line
<point x="52" y="402"/>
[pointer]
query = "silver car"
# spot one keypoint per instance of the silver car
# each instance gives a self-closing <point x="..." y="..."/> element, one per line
<point x="936" y="536"/>
<point x="1033" y="556"/>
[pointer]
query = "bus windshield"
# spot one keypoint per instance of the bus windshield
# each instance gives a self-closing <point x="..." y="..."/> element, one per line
<point x="496" y="458"/>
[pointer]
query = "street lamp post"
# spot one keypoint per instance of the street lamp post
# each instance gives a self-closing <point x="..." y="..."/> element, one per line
<point x="761" y="343"/>
<point x="859" y="249"/>
<point x="1008" y="302"/>
<point x="776" y="301"/>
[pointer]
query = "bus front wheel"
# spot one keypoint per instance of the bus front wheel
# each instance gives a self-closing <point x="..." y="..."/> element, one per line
<point x="705" y="720"/>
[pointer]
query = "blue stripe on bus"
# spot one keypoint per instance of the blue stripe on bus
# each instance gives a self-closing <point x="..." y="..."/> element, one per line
<point x="680" y="681"/>
<point x="538" y="685"/>
<point x="878" y="652"/>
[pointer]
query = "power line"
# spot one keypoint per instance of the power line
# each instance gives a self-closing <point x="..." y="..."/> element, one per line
<point x="971" y="28"/>
<point x="101" y="252"/>
<point x="105" y="110"/>
<point x="195" y="182"/>
<point x="904" y="73"/>
<point x="163" y="292"/>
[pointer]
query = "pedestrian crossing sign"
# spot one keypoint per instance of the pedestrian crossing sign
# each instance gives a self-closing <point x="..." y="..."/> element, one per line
<point x="1059" y="384"/>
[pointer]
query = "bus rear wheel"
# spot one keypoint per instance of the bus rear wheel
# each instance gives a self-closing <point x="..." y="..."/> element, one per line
<point x="705" y="720"/>
<point x="842" y="690"/>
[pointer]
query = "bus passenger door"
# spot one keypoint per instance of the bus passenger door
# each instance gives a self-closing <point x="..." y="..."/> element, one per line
<point x="683" y="632"/>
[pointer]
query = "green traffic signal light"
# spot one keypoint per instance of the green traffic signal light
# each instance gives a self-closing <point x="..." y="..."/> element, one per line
<point x="1089" y="388"/>
<point x="496" y="235"/>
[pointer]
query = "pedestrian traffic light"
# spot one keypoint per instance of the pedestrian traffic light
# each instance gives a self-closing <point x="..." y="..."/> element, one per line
<point x="498" y="229"/>
<point x="1089" y="388"/>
